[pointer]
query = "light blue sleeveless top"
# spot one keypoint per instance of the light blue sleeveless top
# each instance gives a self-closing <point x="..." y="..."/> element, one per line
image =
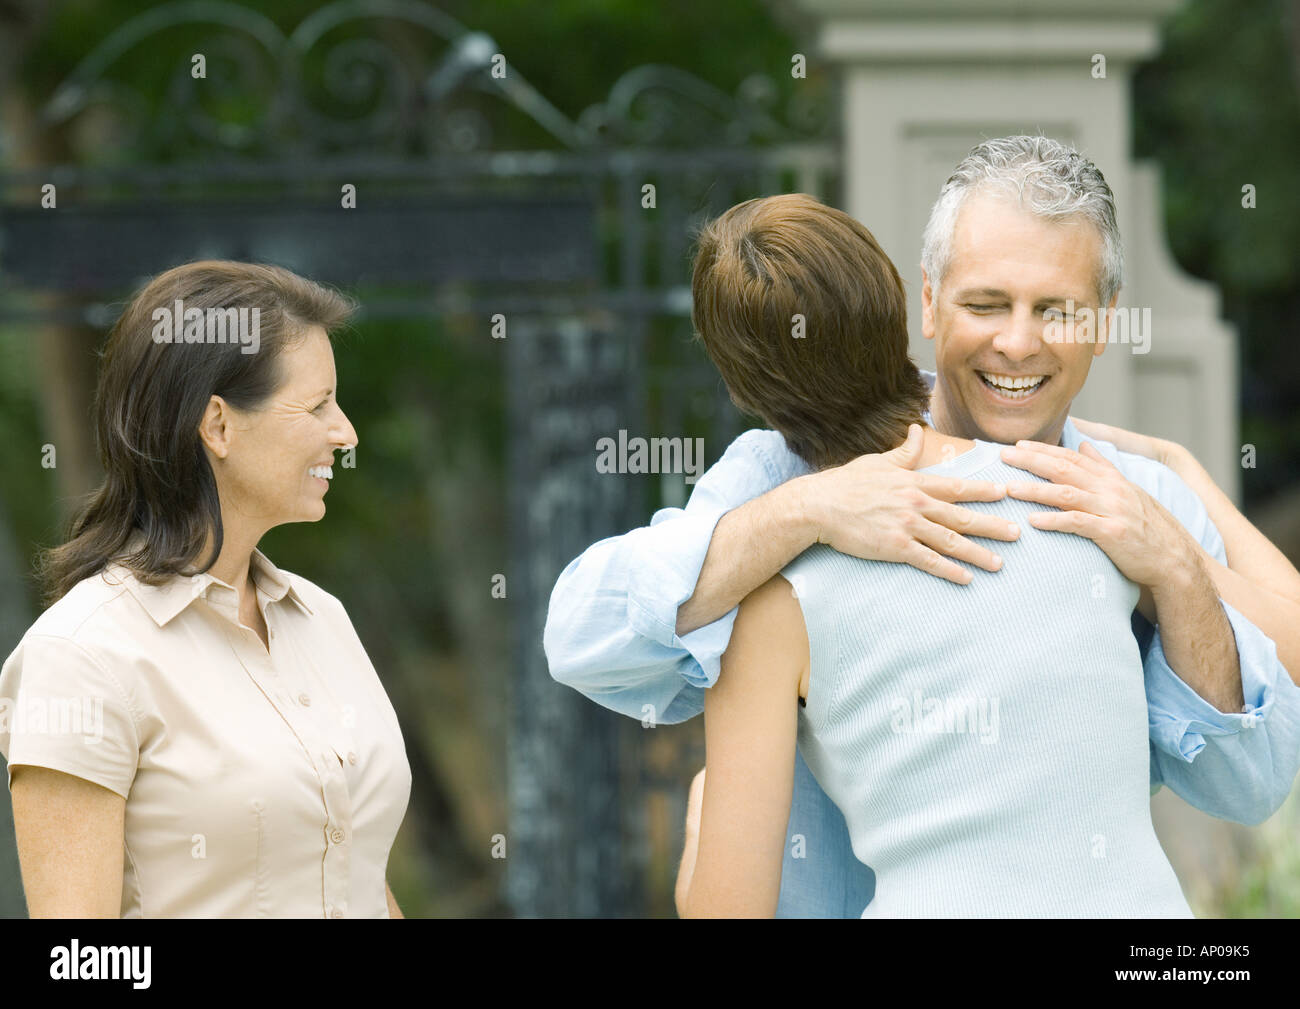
<point x="987" y="743"/>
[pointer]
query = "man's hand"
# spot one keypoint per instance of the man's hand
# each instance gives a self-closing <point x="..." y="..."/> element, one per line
<point x="1147" y="544"/>
<point x="875" y="507"/>
<point x="1150" y="547"/>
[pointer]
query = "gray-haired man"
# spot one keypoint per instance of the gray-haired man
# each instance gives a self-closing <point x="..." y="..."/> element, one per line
<point x="1022" y="232"/>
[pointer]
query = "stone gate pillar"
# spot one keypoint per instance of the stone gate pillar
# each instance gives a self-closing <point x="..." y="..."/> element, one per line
<point x="926" y="80"/>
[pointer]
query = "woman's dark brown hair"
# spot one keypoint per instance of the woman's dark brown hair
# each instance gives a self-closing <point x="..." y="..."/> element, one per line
<point x="806" y="319"/>
<point x="148" y="404"/>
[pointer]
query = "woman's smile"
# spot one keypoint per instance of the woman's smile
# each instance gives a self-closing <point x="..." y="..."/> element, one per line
<point x="322" y="474"/>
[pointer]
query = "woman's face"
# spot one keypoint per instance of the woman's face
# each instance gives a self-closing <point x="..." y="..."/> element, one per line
<point x="265" y="475"/>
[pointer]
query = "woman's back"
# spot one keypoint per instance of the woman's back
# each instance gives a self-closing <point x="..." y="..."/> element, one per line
<point x="988" y="742"/>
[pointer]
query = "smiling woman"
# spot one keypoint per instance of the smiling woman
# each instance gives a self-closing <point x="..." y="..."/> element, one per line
<point x="235" y="708"/>
<point x="168" y="415"/>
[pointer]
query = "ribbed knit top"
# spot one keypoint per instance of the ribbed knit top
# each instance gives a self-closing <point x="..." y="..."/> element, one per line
<point x="987" y="743"/>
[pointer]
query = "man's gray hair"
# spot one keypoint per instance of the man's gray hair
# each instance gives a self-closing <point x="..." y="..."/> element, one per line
<point x="1049" y="179"/>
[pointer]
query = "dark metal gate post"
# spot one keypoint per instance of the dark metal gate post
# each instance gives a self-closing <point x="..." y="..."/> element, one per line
<point x="564" y="854"/>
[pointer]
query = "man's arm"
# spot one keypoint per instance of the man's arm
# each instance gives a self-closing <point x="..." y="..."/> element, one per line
<point x="1275" y="615"/>
<point x="1248" y="552"/>
<point x="611" y="624"/>
<point x="873" y="507"/>
<point x="615" y="628"/>
<point x="1197" y="636"/>
<point x="393" y="910"/>
<point x="1255" y="576"/>
<point x="1237" y="765"/>
<point x="1150" y="547"/>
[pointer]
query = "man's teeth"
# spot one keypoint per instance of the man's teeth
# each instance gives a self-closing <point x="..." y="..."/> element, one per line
<point x="324" y="472"/>
<point x="1011" y="386"/>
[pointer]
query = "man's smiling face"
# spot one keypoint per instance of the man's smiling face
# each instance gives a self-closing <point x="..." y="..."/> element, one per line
<point x="1009" y="275"/>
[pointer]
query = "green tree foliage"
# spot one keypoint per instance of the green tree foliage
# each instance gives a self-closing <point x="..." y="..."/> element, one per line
<point x="1220" y="109"/>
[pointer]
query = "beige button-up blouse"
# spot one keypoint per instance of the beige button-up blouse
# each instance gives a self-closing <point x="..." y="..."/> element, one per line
<point x="257" y="784"/>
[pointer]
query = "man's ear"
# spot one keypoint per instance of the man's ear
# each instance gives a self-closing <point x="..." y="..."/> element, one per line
<point x="1103" y="326"/>
<point x="927" y="307"/>
<point x="215" y="427"/>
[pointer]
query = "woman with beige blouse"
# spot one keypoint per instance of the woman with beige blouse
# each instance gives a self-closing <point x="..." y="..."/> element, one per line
<point x="191" y="731"/>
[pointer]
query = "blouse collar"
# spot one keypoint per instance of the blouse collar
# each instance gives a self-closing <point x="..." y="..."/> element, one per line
<point x="163" y="602"/>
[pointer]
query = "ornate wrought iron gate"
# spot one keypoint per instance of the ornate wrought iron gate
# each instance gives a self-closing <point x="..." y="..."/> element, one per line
<point x="586" y="266"/>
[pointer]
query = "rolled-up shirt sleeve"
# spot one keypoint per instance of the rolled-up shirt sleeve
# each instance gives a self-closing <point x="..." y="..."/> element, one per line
<point x="1236" y="766"/>
<point x="611" y="624"/>
<point x="62" y="708"/>
<point x="1233" y="765"/>
<point x="1181" y="718"/>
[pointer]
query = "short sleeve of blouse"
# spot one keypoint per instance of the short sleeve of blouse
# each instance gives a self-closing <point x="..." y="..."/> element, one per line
<point x="61" y="708"/>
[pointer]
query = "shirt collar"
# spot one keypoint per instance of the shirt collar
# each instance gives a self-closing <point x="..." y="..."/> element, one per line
<point x="163" y="602"/>
<point x="1070" y="436"/>
<point x="928" y="376"/>
<point x="275" y="583"/>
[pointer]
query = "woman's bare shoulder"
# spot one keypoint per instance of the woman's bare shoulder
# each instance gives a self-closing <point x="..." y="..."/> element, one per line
<point x="769" y="632"/>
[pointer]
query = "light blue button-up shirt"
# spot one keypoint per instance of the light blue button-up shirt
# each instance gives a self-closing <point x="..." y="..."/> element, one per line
<point x="611" y="634"/>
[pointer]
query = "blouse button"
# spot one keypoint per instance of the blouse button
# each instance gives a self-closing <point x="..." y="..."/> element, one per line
<point x="352" y="757"/>
<point x="336" y="835"/>
<point x="304" y="700"/>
